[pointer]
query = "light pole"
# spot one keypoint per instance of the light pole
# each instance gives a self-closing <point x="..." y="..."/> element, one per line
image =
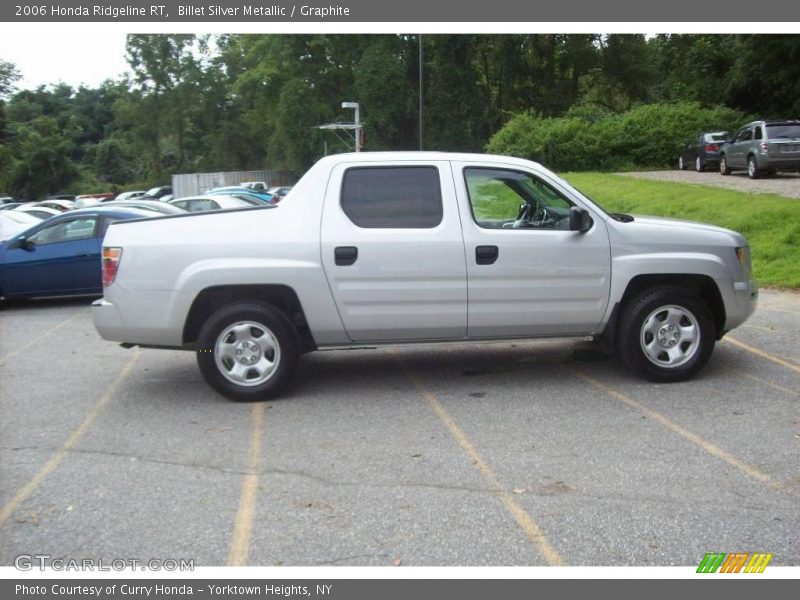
<point x="356" y="122"/>
<point x="420" y="91"/>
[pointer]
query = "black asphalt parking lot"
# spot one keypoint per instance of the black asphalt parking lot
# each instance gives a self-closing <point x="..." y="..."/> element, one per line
<point x="513" y="453"/>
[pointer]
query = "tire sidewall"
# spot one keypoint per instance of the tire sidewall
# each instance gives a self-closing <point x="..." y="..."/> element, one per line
<point x="752" y="168"/>
<point x="723" y="165"/>
<point x="634" y="314"/>
<point x="283" y="332"/>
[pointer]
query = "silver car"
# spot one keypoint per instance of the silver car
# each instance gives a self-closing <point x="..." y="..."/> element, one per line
<point x="762" y="147"/>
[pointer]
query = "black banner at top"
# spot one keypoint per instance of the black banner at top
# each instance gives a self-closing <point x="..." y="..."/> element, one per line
<point x="356" y="11"/>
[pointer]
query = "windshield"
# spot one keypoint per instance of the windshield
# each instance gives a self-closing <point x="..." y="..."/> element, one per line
<point x="783" y="131"/>
<point x="716" y="137"/>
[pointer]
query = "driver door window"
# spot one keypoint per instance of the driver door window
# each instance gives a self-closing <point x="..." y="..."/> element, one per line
<point x="506" y="199"/>
<point x="65" y="231"/>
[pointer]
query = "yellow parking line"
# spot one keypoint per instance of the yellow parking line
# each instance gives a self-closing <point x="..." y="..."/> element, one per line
<point x="783" y="310"/>
<point x="38" y="339"/>
<point x="761" y="353"/>
<point x="243" y="525"/>
<point x="769" y="383"/>
<point x="697" y="440"/>
<point x="523" y="519"/>
<point x="69" y="444"/>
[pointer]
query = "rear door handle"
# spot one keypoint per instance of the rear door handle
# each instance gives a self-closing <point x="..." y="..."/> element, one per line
<point x="82" y="255"/>
<point x="486" y="255"/>
<point x="344" y="256"/>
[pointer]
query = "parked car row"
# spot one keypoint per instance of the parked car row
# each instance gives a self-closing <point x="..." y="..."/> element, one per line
<point x="759" y="147"/>
<point x="52" y="247"/>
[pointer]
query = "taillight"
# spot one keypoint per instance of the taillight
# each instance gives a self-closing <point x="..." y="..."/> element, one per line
<point x="111" y="258"/>
<point x="764" y="146"/>
<point x="712" y="147"/>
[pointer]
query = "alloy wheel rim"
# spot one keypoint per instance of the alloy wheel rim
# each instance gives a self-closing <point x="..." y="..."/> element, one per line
<point x="247" y="353"/>
<point x="670" y="336"/>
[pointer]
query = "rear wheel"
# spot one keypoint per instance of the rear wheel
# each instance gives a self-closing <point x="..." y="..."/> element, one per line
<point x="699" y="165"/>
<point x="666" y="334"/>
<point x="752" y="167"/>
<point x="248" y="351"/>
<point x="723" y="166"/>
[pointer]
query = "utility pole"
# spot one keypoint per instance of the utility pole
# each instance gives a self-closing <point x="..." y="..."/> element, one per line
<point x="420" y="90"/>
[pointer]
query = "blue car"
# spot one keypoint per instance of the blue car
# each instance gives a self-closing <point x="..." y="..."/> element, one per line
<point x="60" y="256"/>
<point x="238" y="190"/>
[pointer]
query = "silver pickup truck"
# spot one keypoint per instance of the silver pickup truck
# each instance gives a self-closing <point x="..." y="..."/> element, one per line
<point x="399" y="247"/>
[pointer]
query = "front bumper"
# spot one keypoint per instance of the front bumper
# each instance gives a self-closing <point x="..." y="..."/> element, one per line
<point x="741" y="303"/>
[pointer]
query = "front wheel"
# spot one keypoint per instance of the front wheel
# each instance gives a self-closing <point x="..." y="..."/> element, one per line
<point x="681" y="163"/>
<point x="666" y="334"/>
<point x="248" y="351"/>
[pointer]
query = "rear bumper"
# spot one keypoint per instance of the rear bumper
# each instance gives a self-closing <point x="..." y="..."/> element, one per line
<point x="779" y="163"/>
<point x="151" y="318"/>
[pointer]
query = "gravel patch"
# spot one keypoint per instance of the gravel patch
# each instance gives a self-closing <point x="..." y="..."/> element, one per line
<point x="783" y="184"/>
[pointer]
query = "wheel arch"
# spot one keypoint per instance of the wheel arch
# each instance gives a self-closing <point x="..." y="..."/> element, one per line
<point x="703" y="286"/>
<point x="282" y="297"/>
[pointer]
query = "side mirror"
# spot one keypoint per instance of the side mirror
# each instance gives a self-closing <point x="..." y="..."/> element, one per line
<point x="21" y="242"/>
<point x="579" y="219"/>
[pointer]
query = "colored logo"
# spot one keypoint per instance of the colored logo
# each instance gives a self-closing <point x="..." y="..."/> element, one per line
<point x="738" y="562"/>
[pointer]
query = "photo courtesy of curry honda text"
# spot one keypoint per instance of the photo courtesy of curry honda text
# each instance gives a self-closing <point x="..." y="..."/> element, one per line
<point x="399" y="247"/>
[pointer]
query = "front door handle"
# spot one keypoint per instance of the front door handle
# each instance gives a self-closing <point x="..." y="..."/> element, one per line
<point x="344" y="256"/>
<point x="486" y="255"/>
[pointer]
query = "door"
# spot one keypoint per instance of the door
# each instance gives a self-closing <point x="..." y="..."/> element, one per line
<point x="63" y="258"/>
<point x="527" y="273"/>
<point x="737" y="152"/>
<point x="393" y="251"/>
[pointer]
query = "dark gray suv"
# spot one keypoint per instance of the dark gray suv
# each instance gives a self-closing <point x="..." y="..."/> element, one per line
<point x="762" y="147"/>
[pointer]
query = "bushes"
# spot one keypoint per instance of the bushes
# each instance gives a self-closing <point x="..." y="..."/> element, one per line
<point x="650" y="135"/>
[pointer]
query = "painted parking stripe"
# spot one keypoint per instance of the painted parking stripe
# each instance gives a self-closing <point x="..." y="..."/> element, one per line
<point x="70" y="443"/>
<point x="673" y="426"/>
<point x="245" y="515"/>
<point x="521" y="516"/>
<point x="781" y="310"/>
<point x="771" y="384"/>
<point x="761" y="353"/>
<point x="35" y="341"/>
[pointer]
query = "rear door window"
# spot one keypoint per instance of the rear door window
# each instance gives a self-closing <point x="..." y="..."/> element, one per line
<point x="392" y="197"/>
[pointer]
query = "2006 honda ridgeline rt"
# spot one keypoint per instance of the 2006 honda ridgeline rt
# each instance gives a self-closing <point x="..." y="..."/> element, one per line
<point x="419" y="247"/>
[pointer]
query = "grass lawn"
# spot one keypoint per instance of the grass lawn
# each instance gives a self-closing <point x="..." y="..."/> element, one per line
<point x="770" y="223"/>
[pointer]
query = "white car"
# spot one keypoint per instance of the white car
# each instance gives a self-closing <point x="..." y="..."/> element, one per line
<point x="13" y="222"/>
<point x="215" y="202"/>
<point x="42" y="212"/>
<point x="130" y="195"/>
<point x="59" y="205"/>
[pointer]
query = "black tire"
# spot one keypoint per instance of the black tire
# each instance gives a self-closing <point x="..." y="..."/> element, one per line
<point x="699" y="165"/>
<point x="723" y="166"/>
<point x="753" y="172"/>
<point x="283" y="351"/>
<point x="681" y="163"/>
<point x="632" y="337"/>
